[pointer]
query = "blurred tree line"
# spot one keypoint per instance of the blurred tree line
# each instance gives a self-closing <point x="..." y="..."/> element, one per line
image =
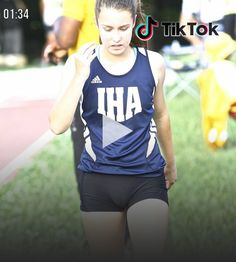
<point x="34" y="35"/>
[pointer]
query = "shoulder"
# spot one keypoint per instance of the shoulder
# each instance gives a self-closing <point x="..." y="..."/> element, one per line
<point x="156" y="60"/>
<point x="157" y="64"/>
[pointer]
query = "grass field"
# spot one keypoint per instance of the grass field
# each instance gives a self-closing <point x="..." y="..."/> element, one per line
<point x="39" y="210"/>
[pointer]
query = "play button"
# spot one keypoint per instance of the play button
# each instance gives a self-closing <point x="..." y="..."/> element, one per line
<point x="112" y="131"/>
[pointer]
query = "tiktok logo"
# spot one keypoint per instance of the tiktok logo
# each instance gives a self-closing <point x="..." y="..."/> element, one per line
<point x="145" y="31"/>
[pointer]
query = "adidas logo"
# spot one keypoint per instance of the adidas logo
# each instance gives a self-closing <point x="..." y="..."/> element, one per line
<point x="96" y="80"/>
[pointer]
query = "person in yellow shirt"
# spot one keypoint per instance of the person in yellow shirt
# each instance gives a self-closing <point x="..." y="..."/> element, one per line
<point x="79" y="16"/>
<point x="217" y="89"/>
<point x="74" y="28"/>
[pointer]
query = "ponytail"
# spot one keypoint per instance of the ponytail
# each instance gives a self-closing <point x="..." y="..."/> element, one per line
<point x="140" y="19"/>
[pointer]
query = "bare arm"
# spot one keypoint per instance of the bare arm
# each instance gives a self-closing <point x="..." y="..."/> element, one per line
<point x="162" y="119"/>
<point x="76" y="72"/>
<point x="66" y="30"/>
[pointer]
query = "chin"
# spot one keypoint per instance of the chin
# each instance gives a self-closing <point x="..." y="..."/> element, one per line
<point x="117" y="51"/>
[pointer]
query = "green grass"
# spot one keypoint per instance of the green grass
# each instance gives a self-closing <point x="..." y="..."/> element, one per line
<point x="203" y="217"/>
<point x="39" y="210"/>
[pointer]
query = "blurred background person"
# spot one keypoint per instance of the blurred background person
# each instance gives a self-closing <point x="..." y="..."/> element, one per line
<point x="50" y="11"/>
<point x="220" y="12"/>
<point x="74" y="28"/>
<point x="214" y="55"/>
<point x="217" y="89"/>
<point x="230" y="18"/>
<point x="11" y="37"/>
<point x="202" y="11"/>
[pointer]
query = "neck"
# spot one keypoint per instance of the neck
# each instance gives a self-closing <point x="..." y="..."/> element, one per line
<point x="104" y="54"/>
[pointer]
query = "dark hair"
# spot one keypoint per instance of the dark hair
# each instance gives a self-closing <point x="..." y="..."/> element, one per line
<point x="133" y="6"/>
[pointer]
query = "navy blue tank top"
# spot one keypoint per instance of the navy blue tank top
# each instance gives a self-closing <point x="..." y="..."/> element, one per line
<point x="117" y="111"/>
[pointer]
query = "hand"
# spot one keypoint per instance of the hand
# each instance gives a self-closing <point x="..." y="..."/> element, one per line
<point x="53" y="53"/>
<point x="170" y="175"/>
<point x="83" y="58"/>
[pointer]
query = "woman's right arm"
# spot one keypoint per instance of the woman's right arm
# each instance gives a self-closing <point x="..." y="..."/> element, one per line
<point x="76" y="72"/>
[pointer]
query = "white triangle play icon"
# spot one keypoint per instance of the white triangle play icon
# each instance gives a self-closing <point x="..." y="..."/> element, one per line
<point x="112" y="131"/>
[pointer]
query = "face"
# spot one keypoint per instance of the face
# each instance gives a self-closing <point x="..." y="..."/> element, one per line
<point x="115" y="27"/>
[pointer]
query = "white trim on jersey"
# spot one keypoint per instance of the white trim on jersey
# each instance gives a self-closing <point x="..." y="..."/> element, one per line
<point x="152" y="139"/>
<point x="88" y="143"/>
<point x="142" y="50"/>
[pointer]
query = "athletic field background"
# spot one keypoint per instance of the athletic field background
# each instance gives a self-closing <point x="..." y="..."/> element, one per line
<point x="39" y="209"/>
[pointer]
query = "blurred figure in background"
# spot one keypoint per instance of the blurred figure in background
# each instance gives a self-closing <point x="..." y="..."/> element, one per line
<point x="217" y="90"/>
<point x="50" y="11"/>
<point x="220" y="12"/>
<point x="216" y="93"/>
<point x="76" y="27"/>
<point x="11" y="37"/>
<point x="230" y="18"/>
<point x="215" y="82"/>
<point x="202" y="11"/>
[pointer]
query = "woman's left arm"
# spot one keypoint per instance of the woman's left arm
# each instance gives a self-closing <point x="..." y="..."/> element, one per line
<point x="162" y="119"/>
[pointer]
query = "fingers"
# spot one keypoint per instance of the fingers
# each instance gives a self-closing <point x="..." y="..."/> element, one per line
<point x="91" y="53"/>
<point x="170" y="173"/>
<point x="86" y="53"/>
<point x="91" y="57"/>
<point x="81" y="60"/>
<point x="169" y="183"/>
<point x="53" y="54"/>
<point x="87" y="48"/>
<point x="60" y="53"/>
<point x="46" y="52"/>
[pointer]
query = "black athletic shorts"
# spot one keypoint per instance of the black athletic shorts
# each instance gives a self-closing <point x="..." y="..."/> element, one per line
<point x="105" y="192"/>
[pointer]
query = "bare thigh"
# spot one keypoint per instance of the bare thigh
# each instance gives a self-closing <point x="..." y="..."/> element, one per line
<point x="104" y="232"/>
<point x="147" y="223"/>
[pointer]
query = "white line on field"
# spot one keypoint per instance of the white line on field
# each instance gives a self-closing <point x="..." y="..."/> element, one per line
<point x="22" y="158"/>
